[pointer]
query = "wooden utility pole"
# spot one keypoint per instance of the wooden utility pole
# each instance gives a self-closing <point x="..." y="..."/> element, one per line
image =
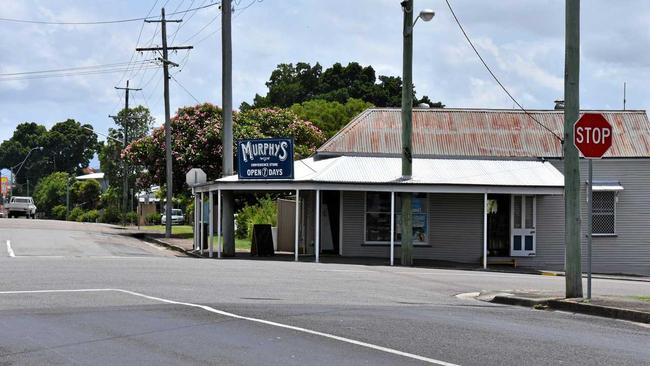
<point x="168" y="137"/>
<point x="572" y="257"/>
<point x="226" y="93"/>
<point x="407" y="130"/>
<point x="125" y="126"/>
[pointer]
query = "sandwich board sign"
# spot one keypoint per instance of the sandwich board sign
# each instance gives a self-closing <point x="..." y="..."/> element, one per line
<point x="265" y="159"/>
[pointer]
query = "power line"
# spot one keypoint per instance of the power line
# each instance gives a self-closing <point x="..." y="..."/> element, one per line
<point x="495" y="77"/>
<point x="82" y="73"/>
<point x="117" y="21"/>
<point x="241" y="11"/>
<point x="138" y="41"/>
<point x="187" y="91"/>
<point x="75" y="68"/>
<point x="203" y="28"/>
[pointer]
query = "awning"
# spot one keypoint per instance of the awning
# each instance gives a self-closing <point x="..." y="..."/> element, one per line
<point x="98" y="176"/>
<point x="607" y="186"/>
<point x="356" y="173"/>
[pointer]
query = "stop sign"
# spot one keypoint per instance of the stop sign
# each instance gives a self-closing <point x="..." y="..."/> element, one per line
<point x="592" y="135"/>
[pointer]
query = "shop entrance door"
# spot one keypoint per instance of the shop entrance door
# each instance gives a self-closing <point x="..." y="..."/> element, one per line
<point x="523" y="226"/>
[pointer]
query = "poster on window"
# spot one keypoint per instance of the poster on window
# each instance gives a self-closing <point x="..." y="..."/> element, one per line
<point x="420" y="228"/>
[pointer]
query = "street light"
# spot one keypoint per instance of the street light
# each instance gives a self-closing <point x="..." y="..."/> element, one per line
<point x="20" y="166"/>
<point x="407" y="126"/>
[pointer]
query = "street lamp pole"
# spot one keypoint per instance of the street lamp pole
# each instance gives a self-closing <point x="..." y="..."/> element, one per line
<point x="20" y="166"/>
<point x="407" y="126"/>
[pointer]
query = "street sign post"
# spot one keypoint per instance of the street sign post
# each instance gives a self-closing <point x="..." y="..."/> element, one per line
<point x="195" y="177"/>
<point x="592" y="135"/>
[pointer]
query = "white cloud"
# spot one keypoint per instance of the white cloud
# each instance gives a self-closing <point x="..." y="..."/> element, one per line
<point x="522" y="40"/>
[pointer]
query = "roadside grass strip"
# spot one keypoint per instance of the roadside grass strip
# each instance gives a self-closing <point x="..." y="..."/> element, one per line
<point x="250" y="319"/>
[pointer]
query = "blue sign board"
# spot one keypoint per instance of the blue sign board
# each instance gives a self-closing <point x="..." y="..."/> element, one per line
<point x="265" y="158"/>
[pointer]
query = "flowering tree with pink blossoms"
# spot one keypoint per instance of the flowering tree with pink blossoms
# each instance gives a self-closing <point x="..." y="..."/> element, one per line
<point x="196" y="141"/>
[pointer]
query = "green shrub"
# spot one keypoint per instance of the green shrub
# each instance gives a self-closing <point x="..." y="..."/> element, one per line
<point x="131" y="218"/>
<point x="153" y="219"/>
<point x="264" y="212"/>
<point x="241" y="223"/>
<point x="59" y="212"/>
<point x="76" y="214"/>
<point x="110" y="215"/>
<point x="91" y="216"/>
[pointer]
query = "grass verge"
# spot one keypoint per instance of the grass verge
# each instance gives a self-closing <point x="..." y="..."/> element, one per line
<point x="186" y="232"/>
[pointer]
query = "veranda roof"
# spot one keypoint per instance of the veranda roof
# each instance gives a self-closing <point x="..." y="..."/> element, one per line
<point x="358" y="173"/>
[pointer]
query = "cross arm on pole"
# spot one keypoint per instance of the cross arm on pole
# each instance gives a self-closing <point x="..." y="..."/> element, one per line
<point x="163" y="20"/>
<point x="141" y="49"/>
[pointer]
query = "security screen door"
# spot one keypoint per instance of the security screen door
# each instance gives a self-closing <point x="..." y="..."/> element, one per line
<point x="522" y="242"/>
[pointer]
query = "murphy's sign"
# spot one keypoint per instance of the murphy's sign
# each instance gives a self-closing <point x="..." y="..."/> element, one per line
<point x="265" y="158"/>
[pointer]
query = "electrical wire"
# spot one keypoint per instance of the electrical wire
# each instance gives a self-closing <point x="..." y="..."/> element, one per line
<point x="187" y="91"/>
<point x="138" y="41"/>
<point x="237" y="14"/>
<point x="74" y="68"/>
<point x="203" y="28"/>
<point x="495" y="77"/>
<point x="117" y="21"/>
<point x="76" y="73"/>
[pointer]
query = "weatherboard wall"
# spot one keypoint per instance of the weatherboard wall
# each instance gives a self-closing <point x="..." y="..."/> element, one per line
<point x="455" y="225"/>
<point x="455" y="229"/>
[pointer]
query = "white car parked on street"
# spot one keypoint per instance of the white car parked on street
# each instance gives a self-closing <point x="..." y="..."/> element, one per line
<point x="177" y="217"/>
<point x="21" y="206"/>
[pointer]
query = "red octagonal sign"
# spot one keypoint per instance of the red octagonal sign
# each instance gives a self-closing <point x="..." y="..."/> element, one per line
<point x="592" y="135"/>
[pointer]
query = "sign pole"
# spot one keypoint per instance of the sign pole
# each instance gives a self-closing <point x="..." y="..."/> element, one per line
<point x="590" y="215"/>
<point x="593" y="136"/>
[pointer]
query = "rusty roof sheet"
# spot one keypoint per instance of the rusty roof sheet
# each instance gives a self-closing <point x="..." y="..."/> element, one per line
<point x="479" y="133"/>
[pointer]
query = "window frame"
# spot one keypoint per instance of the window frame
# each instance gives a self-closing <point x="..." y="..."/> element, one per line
<point x="397" y="242"/>
<point x="615" y="213"/>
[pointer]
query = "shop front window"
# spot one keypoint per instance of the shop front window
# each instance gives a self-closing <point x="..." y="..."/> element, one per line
<point x="378" y="217"/>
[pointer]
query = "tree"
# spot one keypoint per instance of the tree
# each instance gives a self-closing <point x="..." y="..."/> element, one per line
<point x="51" y="191"/>
<point x="329" y="117"/>
<point x="68" y="146"/>
<point x="289" y="85"/>
<point x="275" y="122"/>
<point x="86" y="194"/>
<point x="196" y="141"/>
<point x="138" y="122"/>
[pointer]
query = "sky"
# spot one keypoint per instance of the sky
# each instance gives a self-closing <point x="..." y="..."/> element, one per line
<point x="521" y="40"/>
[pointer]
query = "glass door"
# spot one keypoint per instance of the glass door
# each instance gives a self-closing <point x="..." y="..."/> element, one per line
<point x="523" y="226"/>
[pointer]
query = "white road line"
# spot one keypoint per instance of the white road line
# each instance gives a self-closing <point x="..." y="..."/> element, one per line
<point x="255" y="320"/>
<point x="9" y="250"/>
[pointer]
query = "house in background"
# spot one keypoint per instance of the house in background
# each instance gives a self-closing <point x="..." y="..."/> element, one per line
<point x="485" y="183"/>
<point x="90" y="173"/>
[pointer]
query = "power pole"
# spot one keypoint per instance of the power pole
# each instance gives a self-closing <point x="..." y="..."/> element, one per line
<point x="168" y="137"/>
<point x="572" y="257"/>
<point x="125" y="126"/>
<point x="407" y="130"/>
<point x="227" y="162"/>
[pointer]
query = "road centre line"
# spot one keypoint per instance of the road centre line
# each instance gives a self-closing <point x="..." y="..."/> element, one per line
<point x="9" y="250"/>
<point x="254" y="320"/>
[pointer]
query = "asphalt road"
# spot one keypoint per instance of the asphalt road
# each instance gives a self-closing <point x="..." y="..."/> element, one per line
<point x="85" y="294"/>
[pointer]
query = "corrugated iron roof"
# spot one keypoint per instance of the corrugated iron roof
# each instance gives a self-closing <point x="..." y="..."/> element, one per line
<point x="385" y="170"/>
<point x="479" y="133"/>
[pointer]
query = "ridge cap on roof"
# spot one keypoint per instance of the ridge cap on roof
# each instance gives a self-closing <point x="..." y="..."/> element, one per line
<point x="345" y="129"/>
<point x="498" y="110"/>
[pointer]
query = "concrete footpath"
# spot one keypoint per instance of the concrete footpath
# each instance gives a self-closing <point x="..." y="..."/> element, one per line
<point x="636" y="309"/>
